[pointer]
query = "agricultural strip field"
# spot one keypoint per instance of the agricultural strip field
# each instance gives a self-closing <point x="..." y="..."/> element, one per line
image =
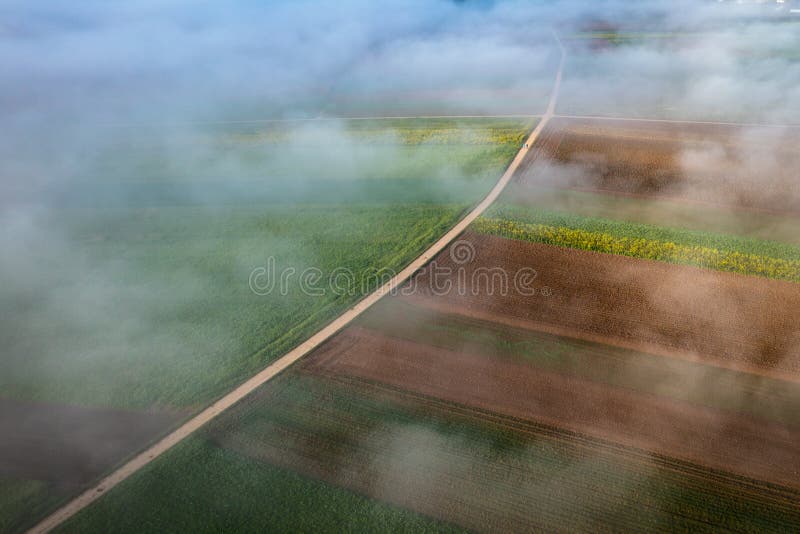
<point x="132" y="290"/>
<point x="265" y="496"/>
<point x="724" y="166"/>
<point x="689" y="194"/>
<point x="334" y="440"/>
<point x="720" y="440"/>
<point x="745" y="323"/>
<point x="429" y="399"/>
<point x="722" y="389"/>
<point x="669" y="213"/>
<point x="713" y="251"/>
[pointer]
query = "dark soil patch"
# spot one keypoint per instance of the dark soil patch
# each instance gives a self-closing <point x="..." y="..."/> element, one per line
<point x="68" y="445"/>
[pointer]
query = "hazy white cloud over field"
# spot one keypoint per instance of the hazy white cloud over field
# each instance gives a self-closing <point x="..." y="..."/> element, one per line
<point x="177" y="60"/>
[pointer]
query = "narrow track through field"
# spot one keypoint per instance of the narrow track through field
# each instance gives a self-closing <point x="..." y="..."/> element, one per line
<point x="228" y="400"/>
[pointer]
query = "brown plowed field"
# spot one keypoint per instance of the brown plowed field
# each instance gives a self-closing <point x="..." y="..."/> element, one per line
<point x="742" y="322"/>
<point x="717" y="439"/>
<point x="729" y="165"/>
<point x="71" y="445"/>
<point x="693" y="382"/>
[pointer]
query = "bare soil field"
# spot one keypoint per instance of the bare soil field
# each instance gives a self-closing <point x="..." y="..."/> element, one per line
<point x="720" y="440"/>
<point x="69" y="446"/>
<point x="739" y="167"/>
<point x="700" y="384"/>
<point x="741" y="322"/>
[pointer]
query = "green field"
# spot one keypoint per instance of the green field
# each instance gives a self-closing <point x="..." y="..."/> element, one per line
<point x="178" y="323"/>
<point x="22" y="498"/>
<point x="212" y="489"/>
<point x="419" y="453"/>
<point x="135" y="293"/>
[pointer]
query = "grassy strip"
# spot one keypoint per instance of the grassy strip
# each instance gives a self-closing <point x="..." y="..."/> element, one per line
<point x="22" y="499"/>
<point x="407" y="132"/>
<point x="199" y="487"/>
<point x="723" y="253"/>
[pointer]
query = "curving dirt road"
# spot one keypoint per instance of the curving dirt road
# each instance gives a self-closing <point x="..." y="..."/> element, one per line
<point x="144" y="458"/>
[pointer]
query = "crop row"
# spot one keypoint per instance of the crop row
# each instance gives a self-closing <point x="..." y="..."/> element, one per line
<point x="642" y="247"/>
<point x="402" y="136"/>
<point x="654" y="232"/>
<point x="416" y="136"/>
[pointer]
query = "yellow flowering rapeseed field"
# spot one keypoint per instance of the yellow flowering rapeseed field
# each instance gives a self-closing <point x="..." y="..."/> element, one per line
<point x="702" y="256"/>
<point x="400" y="132"/>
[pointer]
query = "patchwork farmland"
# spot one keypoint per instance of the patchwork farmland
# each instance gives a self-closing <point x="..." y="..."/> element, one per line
<point x="372" y="270"/>
<point x="622" y="381"/>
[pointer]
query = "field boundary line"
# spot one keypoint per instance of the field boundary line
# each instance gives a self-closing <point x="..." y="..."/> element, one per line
<point x="321" y="119"/>
<point x="675" y="121"/>
<point x="240" y="392"/>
